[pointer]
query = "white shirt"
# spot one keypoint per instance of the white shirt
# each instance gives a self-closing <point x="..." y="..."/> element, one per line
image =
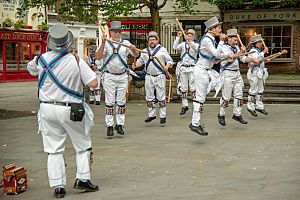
<point x="193" y="50"/>
<point x="115" y="65"/>
<point x="226" y="51"/>
<point x="207" y="47"/>
<point x="67" y="72"/>
<point x="162" y="55"/>
<point x="257" y="55"/>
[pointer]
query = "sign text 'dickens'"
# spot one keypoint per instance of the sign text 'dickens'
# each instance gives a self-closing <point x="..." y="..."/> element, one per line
<point x="264" y="15"/>
<point x="18" y="36"/>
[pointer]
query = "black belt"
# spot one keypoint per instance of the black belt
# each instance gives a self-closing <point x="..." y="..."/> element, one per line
<point x="116" y="73"/>
<point x="57" y="103"/>
<point x="154" y="75"/>
<point x="233" y="70"/>
<point x="188" y="65"/>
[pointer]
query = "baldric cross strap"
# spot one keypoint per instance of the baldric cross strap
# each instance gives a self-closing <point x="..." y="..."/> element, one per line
<point x="187" y="52"/>
<point x="234" y="50"/>
<point x="115" y="54"/>
<point x="151" y="60"/>
<point x="206" y="57"/>
<point x="47" y="71"/>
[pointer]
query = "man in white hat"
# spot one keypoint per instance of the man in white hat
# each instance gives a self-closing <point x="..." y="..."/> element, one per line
<point x="257" y="74"/>
<point x="204" y="76"/>
<point x="62" y="110"/>
<point x="185" y="68"/>
<point x="232" y="80"/>
<point x="94" y="93"/>
<point x="115" y="78"/>
<point x="155" y="80"/>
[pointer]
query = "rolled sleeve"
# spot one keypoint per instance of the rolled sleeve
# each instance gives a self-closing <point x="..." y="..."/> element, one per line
<point x="32" y="67"/>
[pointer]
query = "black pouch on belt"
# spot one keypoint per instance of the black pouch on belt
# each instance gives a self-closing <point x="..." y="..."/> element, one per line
<point x="77" y="112"/>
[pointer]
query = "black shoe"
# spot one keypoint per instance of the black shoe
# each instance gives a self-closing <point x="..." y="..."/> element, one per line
<point x="198" y="129"/>
<point x="239" y="119"/>
<point x="262" y="111"/>
<point x="119" y="129"/>
<point x="97" y="102"/>
<point x="110" y="131"/>
<point x="221" y="120"/>
<point x="252" y="112"/>
<point x="163" y="120"/>
<point x="91" y="102"/>
<point x="183" y="110"/>
<point x="59" y="192"/>
<point x="149" y="119"/>
<point x="87" y="186"/>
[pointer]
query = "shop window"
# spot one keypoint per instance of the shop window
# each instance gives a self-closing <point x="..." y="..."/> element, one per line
<point x="19" y="54"/>
<point x="277" y="37"/>
<point x="12" y="55"/>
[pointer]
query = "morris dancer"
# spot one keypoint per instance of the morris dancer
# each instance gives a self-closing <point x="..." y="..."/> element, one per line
<point x="155" y="80"/>
<point x="185" y="68"/>
<point x="203" y="74"/>
<point x="62" y="111"/>
<point x="94" y="93"/>
<point x="233" y="82"/>
<point x="115" y="78"/>
<point x="257" y="75"/>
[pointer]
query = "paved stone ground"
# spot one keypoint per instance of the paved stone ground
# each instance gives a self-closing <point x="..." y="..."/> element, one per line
<point x="258" y="161"/>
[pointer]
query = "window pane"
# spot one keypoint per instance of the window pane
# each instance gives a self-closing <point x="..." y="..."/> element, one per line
<point x="286" y="31"/>
<point x="276" y="30"/>
<point x="277" y="41"/>
<point x="267" y="41"/>
<point x="11" y="55"/>
<point x="250" y="31"/>
<point x="286" y="41"/>
<point x="267" y="31"/>
<point x="25" y="49"/>
<point x="258" y="30"/>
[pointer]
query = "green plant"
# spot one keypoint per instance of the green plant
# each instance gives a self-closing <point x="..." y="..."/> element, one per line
<point x="20" y="23"/>
<point x="288" y="3"/>
<point x="260" y="3"/>
<point x="8" y="22"/>
<point x="43" y="26"/>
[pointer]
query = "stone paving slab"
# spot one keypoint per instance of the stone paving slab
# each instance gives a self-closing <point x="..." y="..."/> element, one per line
<point x="258" y="161"/>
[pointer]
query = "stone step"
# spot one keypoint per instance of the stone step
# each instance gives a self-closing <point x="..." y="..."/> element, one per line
<point x="269" y="93"/>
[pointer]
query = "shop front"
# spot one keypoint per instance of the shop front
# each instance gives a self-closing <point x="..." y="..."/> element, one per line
<point x="17" y="48"/>
<point x="280" y="28"/>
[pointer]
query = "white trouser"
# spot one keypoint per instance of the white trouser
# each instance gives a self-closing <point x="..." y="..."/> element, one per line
<point x="155" y="87"/>
<point x="187" y="81"/>
<point x="232" y="86"/>
<point x="201" y="79"/>
<point x="256" y="90"/>
<point x="115" y="87"/>
<point x="95" y="93"/>
<point x="55" y="125"/>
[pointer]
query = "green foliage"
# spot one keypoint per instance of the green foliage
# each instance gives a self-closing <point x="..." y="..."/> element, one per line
<point x="87" y="10"/>
<point x="260" y="4"/>
<point x="288" y="3"/>
<point x="227" y="4"/>
<point x="253" y="4"/>
<point x="43" y="26"/>
<point x="20" y="24"/>
<point x="8" y="22"/>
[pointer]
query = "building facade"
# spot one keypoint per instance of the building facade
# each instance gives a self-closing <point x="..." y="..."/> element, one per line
<point x="17" y="48"/>
<point x="280" y="29"/>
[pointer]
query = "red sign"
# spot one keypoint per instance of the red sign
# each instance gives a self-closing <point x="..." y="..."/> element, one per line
<point x="19" y="36"/>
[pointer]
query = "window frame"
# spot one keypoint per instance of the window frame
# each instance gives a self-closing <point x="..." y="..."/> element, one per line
<point x="266" y="24"/>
